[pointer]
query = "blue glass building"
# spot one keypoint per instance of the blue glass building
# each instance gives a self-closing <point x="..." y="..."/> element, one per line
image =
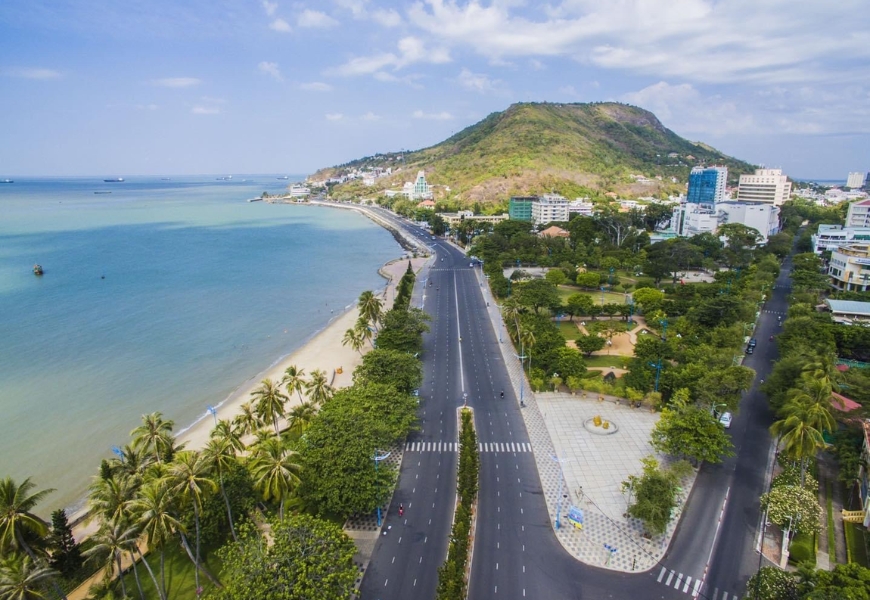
<point x="707" y="185"/>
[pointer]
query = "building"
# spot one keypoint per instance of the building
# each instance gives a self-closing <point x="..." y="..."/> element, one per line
<point x="859" y="214"/>
<point x="764" y="218"/>
<point x="849" y="268"/>
<point x="856" y="180"/>
<point x="426" y="204"/>
<point x="831" y="237"/>
<point x="847" y="312"/>
<point x="452" y="219"/>
<point x="580" y="207"/>
<point x="769" y="186"/>
<point x="520" y="207"/>
<point x="554" y="231"/>
<point x="549" y="208"/>
<point x="416" y="190"/>
<point x="299" y="191"/>
<point x="692" y="219"/>
<point x="707" y="185"/>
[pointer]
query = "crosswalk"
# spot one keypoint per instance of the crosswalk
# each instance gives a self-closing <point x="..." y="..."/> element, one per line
<point x="775" y="312"/>
<point x="454" y="447"/>
<point x="687" y="585"/>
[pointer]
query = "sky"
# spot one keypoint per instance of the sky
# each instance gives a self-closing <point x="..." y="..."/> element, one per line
<point x="160" y="87"/>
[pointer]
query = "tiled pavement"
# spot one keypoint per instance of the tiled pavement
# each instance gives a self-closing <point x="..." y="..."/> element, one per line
<point x="594" y="467"/>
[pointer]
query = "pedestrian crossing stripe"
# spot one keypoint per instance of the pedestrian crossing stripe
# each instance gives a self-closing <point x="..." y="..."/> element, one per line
<point x="687" y="585"/>
<point x="454" y="447"/>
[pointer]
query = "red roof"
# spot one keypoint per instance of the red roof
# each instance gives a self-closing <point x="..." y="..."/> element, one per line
<point x="842" y="368"/>
<point x="863" y="203"/>
<point x="843" y="404"/>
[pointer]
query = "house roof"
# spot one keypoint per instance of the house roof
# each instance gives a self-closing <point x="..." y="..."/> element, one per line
<point x="554" y="231"/>
<point x="426" y="203"/>
<point x="849" y="307"/>
<point x="843" y="404"/>
<point x="863" y="203"/>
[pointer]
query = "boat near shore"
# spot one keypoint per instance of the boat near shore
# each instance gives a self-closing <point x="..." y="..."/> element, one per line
<point x="7" y="181"/>
<point x="103" y="192"/>
<point x="115" y="180"/>
<point x="37" y="270"/>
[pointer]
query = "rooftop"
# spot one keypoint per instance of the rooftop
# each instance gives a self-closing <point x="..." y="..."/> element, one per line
<point x="849" y="307"/>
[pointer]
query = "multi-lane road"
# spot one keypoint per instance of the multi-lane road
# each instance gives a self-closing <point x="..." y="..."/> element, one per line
<point x="516" y="554"/>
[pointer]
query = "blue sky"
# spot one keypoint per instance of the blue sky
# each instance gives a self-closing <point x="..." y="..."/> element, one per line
<point x="130" y="87"/>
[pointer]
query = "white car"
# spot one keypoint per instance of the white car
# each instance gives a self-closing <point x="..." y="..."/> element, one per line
<point x="725" y="419"/>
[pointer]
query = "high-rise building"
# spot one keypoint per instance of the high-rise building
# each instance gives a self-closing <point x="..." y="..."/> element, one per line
<point x="859" y="214"/>
<point x="549" y="208"/>
<point x="520" y="208"/>
<point x="849" y="267"/>
<point x="421" y="191"/>
<point x="769" y="186"/>
<point x="856" y="180"/>
<point x="763" y="218"/>
<point x="707" y="185"/>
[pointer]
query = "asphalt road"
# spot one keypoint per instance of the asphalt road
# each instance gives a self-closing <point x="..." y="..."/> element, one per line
<point x="516" y="554"/>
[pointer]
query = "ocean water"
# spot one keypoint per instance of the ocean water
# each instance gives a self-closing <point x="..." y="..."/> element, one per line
<point x="161" y="296"/>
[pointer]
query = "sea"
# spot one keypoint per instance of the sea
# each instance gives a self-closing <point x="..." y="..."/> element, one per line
<point x="158" y="294"/>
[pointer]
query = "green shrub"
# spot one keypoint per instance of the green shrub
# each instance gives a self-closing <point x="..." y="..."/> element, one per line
<point x="803" y="547"/>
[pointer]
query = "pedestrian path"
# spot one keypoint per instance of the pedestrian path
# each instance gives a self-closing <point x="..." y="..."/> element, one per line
<point x="781" y="313"/>
<point x="683" y="583"/>
<point x="454" y="447"/>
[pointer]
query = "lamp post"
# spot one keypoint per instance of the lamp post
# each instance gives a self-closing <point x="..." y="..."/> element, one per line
<point x="658" y="367"/>
<point x="213" y="412"/>
<point x="378" y="459"/>
<point x="715" y="406"/>
<point x="522" y="358"/>
<point x="602" y="295"/>
<point x="560" y="462"/>
<point x="664" y="324"/>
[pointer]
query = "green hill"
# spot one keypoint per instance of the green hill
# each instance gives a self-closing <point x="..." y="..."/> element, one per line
<point x="530" y="148"/>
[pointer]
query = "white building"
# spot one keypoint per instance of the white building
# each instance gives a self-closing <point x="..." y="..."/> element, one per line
<point x="548" y="208"/>
<point x="859" y="214"/>
<point x="580" y="207"/>
<point x="849" y="267"/>
<point x="764" y="218"/>
<point x="299" y="191"/>
<point x="691" y="219"/>
<point x="856" y="180"/>
<point x="831" y="237"/>
<point x="418" y="189"/>
<point x="769" y="186"/>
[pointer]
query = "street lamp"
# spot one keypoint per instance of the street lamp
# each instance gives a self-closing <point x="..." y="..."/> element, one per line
<point x="560" y="462"/>
<point x="715" y="406"/>
<point x="658" y="367"/>
<point x="378" y="459"/>
<point x="664" y="324"/>
<point x="213" y="412"/>
<point x="522" y="358"/>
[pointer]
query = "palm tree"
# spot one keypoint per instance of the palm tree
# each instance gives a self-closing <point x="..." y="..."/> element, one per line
<point x="293" y="380"/>
<point x="799" y="439"/>
<point x="154" y="435"/>
<point x="188" y="481"/>
<point x="370" y="307"/>
<point x="16" y="515"/>
<point x="155" y="512"/>
<point x="319" y="391"/>
<point x="275" y="471"/>
<point x="811" y="402"/>
<point x="354" y="338"/>
<point x="109" y="544"/>
<point x="132" y="461"/>
<point x="300" y="416"/>
<point x="363" y="331"/>
<point x="527" y="338"/>
<point x="109" y="498"/>
<point x="22" y="578"/>
<point x="247" y="420"/>
<point x="221" y="451"/>
<point x="270" y="402"/>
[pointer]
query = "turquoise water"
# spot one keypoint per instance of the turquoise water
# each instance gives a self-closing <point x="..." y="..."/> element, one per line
<point x="161" y="296"/>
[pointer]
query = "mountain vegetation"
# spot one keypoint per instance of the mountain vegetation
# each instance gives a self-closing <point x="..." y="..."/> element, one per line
<point x="530" y="148"/>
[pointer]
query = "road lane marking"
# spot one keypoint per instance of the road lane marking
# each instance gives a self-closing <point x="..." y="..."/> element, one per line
<point x="688" y="583"/>
<point x="662" y="574"/>
<point x="670" y="576"/>
<point x="679" y="579"/>
<point x="697" y="589"/>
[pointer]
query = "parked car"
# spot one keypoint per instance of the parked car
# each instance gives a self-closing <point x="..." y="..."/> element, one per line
<point x="750" y="349"/>
<point x="725" y="419"/>
<point x="753" y="343"/>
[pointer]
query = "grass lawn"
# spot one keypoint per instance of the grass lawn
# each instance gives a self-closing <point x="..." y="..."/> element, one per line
<point x="600" y="325"/>
<point x="569" y="330"/>
<point x="856" y="543"/>
<point x="180" y="582"/>
<point x="615" y="362"/>
<point x="832" y="540"/>
<point x="609" y="297"/>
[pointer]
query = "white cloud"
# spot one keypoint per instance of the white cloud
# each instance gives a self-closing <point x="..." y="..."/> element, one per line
<point x="356" y="7"/>
<point x="315" y="86"/>
<point x="280" y="25"/>
<point x="386" y="18"/>
<point x="32" y="73"/>
<point x="370" y="116"/>
<point x="270" y="68"/>
<point x="151" y="106"/>
<point x="315" y="19"/>
<point x="270" y="7"/>
<point x="476" y="82"/>
<point x="441" y="116"/>
<point x="205" y="110"/>
<point x="334" y="116"/>
<point x="410" y="50"/>
<point x="177" y="82"/>
<point x="536" y="64"/>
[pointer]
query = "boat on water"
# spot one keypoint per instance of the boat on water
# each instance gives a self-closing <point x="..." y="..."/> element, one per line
<point x="227" y="178"/>
<point x="285" y="177"/>
<point x="102" y="192"/>
<point x="37" y="269"/>
<point x="116" y="180"/>
<point x="7" y="181"/>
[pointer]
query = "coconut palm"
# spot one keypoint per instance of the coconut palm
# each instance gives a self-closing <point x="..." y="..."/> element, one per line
<point x="293" y="380"/>
<point x="800" y="440"/>
<point x="109" y="544"/>
<point x="154" y="435"/>
<point x="221" y="451"/>
<point x="811" y="402"/>
<point x="132" y="461"/>
<point x="154" y="510"/>
<point x="300" y="416"/>
<point x="370" y="307"/>
<point x="247" y="420"/>
<point x="188" y="481"/>
<point x="22" y="578"/>
<point x="275" y="471"/>
<point x="17" y="519"/>
<point x="363" y="331"/>
<point x="354" y="339"/>
<point x="527" y="338"/>
<point x="109" y="498"/>
<point x="319" y="391"/>
<point x="270" y="402"/>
